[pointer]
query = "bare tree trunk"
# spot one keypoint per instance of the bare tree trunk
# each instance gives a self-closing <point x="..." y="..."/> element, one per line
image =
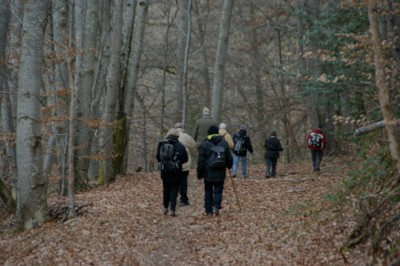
<point x="182" y="55"/>
<point x="165" y="62"/>
<point x="219" y="67"/>
<point x="204" y="62"/>
<point x="6" y="113"/>
<point x="61" y="83"/>
<point x="85" y="70"/>
<point x="13" y="50"/>
<point x="392" y="124"/>
<point x="32" y="186"/>
<point x="133" y="72"/>
<point x="6" y="96"/>
<point x="112" y="87"/>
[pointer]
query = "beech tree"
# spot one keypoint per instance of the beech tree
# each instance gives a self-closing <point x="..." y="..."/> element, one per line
<point x="382" y="72"/>
<point x="32" y="186"/>
<point x="219" y="66"/>
<point x="107" y="141"/>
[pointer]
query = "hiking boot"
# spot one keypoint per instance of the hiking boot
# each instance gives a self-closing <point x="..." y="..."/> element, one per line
<point x="172" y="213"/>
<point x="208" y="214"/>
<point x="182" y="203"/>
<point x="165" y="211"/>
<point x="267" y="176"/>
<point x="215" y="211"/>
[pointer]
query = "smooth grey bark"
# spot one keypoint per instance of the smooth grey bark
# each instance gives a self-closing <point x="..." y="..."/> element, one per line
<point x="392" y="124"/>
<point x="112" y="92"/>
<point x="201" y="27"/>
<point x="13" y="50"/>
<point x="32" y="186"/>
<point x="59" y="99"/>
<point x="165" y="63"/>
<point x="182" y="55"/>
<point x="133" y="70"/>
<point x="127" y="31"/>
<point x="85" y="70"/>
<point x="219" y="67"/>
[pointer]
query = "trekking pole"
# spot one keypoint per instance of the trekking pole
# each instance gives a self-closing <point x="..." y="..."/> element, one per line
<point x="234" y="189"/>
<point x="249" y="166"/>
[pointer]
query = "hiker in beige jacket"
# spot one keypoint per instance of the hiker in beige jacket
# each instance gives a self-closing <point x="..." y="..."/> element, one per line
<point x="189" y="144"/>
<point x="226" y="135"/>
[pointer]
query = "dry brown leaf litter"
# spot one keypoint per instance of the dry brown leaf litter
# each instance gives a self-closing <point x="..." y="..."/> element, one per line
<point x="283" y="221"/>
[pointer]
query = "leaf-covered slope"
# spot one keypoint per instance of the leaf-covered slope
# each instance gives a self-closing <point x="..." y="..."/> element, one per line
<point x="282" y="221"/>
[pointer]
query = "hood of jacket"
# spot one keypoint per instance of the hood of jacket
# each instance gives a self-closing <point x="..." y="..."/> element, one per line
<point x="214" y="138"/>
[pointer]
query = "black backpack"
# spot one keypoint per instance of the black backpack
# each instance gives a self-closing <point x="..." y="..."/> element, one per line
<point x="217" y="159"/>
<point x="240" y="145"/>
<point x="169" y="162"/>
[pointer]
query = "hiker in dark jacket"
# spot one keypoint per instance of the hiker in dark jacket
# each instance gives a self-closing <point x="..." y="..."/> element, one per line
<point x="171" y="180"/>
<point x="240" y="155"/>
<point x="213" y="178"/>
<point x="202" y="125"/>
<point x="272" y="148"/>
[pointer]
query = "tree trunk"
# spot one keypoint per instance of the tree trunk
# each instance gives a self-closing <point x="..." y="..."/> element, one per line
<point x="32" y="186"/>
<point x="61" y="84"/>
<point x="133" y="72"/>
<point x="6" y="98"/>
<point x="87" y="48"/>
<point x="182" y="55"/>
<point x="112" y="87"/>
<point x="219" y="67"/>
<point x="204" y="62"/>
<point x="392" y="124"/>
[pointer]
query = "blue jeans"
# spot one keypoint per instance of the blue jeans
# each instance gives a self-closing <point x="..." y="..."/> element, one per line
<point x="270" y="164"/>
<point x="213" y="195"/>
<point x="236" y="159"/>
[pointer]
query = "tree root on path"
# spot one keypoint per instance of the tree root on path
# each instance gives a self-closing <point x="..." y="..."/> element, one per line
<point x="61" y="212"/>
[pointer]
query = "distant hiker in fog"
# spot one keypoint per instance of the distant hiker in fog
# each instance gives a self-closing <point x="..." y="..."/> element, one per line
<point x="272" y="148"/>
<point x="316" y="142"/>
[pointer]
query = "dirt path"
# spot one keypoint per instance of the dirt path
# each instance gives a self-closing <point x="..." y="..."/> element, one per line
<point x="283" y="221"/>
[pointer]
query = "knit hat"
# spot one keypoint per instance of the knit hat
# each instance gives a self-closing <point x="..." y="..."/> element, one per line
<point x="243" y="127"/>
<point x="173" y="132"/>
<point x="222" y="126"/>
<point x="206" y="111"/>
<point x="178" y="125"/>
<point x="212" y="130"/>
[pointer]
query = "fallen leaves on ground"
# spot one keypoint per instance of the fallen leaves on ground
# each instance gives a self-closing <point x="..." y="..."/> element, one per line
<point x="278" y="221"/>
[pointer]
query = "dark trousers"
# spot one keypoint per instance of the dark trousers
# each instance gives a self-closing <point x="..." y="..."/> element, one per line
<point x="271" y="166"/>
<point x="213" y="195"/>
<point x="316" y="157"/>
<point x="170" y="194"/>
<point x="183" y="187"/>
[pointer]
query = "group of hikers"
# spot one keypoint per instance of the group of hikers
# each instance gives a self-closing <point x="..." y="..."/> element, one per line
<point x="217" y="152"/>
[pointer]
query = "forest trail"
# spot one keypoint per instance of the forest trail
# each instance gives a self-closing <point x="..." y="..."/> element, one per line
<point x="283" y="221"/>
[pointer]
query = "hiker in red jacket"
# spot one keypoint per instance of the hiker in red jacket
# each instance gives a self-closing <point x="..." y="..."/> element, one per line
<point x="316" y="142"/>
